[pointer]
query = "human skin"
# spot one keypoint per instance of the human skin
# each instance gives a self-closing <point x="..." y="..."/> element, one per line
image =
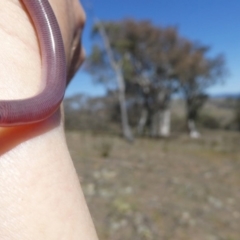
<point x="40" y="194"/>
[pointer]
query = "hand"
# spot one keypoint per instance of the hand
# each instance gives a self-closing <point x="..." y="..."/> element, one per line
<point x="40" y="196"/>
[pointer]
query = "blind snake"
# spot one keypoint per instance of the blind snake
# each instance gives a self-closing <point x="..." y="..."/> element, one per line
<point x="43" y="105"/>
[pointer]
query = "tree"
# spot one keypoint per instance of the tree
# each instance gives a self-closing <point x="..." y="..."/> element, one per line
<point x="105" y="62"/>
<point x="152" y="53"/>
<point x="153" y="64"/>
<point x="196" y="73"/>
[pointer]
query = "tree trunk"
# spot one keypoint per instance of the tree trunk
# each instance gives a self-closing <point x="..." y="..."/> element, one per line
<point x="165" y="122"/>
<point x="127" y="133"/>
<point x="192" y="129"/>
<point x="192" y="111"/>
<point x="154" y="126"/>
<point x="142" y="121"/>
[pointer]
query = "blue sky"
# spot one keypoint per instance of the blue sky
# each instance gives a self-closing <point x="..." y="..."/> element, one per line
<point x="212" y="22"/>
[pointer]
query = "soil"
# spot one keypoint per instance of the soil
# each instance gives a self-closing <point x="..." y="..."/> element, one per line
<point x="154" y="189"/>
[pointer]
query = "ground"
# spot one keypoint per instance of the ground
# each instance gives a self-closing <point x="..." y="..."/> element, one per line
<point x="161" y="189"/>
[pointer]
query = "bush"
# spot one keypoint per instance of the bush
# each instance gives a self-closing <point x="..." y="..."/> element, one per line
<point x="209" y="121"/>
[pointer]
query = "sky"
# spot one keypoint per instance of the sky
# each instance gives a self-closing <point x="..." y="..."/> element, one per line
<point x="214" y="23"/>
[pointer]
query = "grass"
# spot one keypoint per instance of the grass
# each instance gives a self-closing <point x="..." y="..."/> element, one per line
<point x="175" y="189"/>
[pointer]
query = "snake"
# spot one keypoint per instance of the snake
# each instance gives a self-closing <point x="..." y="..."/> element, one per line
<point x="53" y="71"/>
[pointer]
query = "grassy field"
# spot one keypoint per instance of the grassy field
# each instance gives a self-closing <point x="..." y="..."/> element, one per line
<point x="154" y="189"/>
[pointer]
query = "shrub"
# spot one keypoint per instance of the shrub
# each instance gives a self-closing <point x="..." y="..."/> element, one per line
<point x="208" y="121"/>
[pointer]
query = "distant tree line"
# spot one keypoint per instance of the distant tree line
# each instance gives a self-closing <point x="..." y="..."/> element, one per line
<point x="102" y="114"/>
<point x="145" y="66"/>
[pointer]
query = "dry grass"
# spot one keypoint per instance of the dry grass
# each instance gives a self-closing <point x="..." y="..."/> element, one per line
<point x="175" y="189"/>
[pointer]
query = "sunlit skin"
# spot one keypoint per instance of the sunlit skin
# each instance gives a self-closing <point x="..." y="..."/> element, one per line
<point x="40" y="193"/>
